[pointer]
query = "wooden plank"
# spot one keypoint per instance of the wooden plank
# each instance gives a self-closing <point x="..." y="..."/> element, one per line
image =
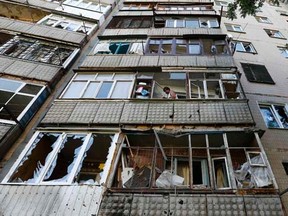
<point x="51" y="199"/>
<point x="22" y="200"/>
<point x="4" y="189"/>
<point x="43" y="199"/>
<point x="62" y="201"/>
<point x="8" y="197"/>
<point x="96" y="201"/>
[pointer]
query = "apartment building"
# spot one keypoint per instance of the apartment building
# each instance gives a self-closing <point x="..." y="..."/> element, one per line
<point x="37" y="46"/>
<point x="115" y="143"/>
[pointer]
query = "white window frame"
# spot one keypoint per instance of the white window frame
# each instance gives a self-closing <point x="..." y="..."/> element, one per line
<point x="274" y="33"/>
<point x="89" y="3"/>
<point x="249" y="158"/>
<point x="70" y="21"/>
<point x="234" y="27"/>
<point x="240" y="44"/>
<point x="274" y="113"/>
<point x="227" y="171"/>
<point x="222" y="3"/>
<point x="206" y="93"/>
<point x="17" y="92"/>
<point x="53" y="157"/>
<point x="204" y="170"/>
<point x="94" y="80"/>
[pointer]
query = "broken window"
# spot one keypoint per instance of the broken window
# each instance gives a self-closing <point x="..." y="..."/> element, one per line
<point x="123" y="47"/>
<point x="275" y="116"/>
<point x="241" y="46"/>
<point x="15" y="97"/>
<point x="106" y="85"/>
<point x="36" y="50"/>
<point x="274" y="33"/>
<point x="285" y="166"/>
<point x="66" y="23"/>
<point x="221" y="176"/>
<point x="257" y="73"/>
<point x="53" y="158"/>
<point x="130" y="22"/>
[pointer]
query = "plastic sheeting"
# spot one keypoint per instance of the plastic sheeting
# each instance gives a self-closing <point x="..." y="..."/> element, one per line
<point x="169" y="180"/>
<point x="253" y="176"/>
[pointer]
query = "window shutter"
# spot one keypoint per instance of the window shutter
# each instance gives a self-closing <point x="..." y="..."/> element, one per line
<point x="257" y="73"/>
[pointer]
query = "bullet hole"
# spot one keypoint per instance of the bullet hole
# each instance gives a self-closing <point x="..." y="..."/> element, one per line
<point x="181" y="202"/>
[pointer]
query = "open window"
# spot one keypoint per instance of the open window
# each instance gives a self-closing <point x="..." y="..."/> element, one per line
<point x="220" y="172"/>
<point x="120" y="47"/>
<point x="275" y="115"/>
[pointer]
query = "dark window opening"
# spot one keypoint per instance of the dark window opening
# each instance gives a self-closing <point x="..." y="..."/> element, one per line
<point x="257" y="73"/>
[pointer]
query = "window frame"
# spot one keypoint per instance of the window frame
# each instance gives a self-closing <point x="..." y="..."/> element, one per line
<point x="283" y="50"/>
<point x="263" y="19"/>
<point x="271" y="33"/>
<point x="60" y="140"/>
<point x="242" y="45"/>
<point x="78" y="3"/>
<point x="97" y="90"/>
<point x="227" y="171"/>
<point x="275" y="114"/>
<point x="252" y="73"/>
<point x="233" y="27"/>
<point x="17" y="92"/>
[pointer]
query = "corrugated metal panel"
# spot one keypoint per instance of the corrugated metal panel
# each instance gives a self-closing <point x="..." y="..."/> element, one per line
<point x="20" y="68"/>
<point x="60" y="112"/>
<point x="224" y="61"/>
<point x="27" y="69"/>
<point x="109" y="112"/>
<point x="186" y="113"/>
<point x="92" y="61"/>
<point x="5" y="63"/>
<point x="44" y="72"/>
<point x="84" y="112"/>
<point x="148" y="61"/>
<point x="135" y="13"/>
<point x="4" y="128"/>
<point x="130" y="62"/>
<point x="212" y="112"/>
<point x="237" y="112"/>
<point x="111" y="32"/>
<point x="41" y="31"/>
<point x="187" y="61"/>
<point x="134" y="113"/>
<point x="17" y="26"/>
<point x="156" y="32"/>
<point x="49" y="200"/>
<point x="111" y="61"/>
<point x="206" y="61"/>
<point x="161" y="113"/>
<point x="168" y="61"/>
<point x="170" y="31"/>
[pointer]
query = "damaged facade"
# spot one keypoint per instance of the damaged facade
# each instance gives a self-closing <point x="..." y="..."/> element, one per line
<point x="114" y="143"/>
<point x="37" y="46"/>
